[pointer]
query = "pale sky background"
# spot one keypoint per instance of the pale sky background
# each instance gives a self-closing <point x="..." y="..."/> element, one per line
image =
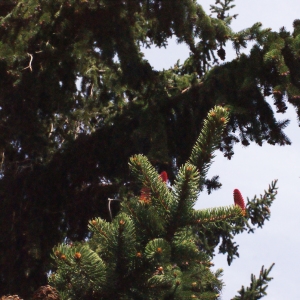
<point x="252" y="169"/>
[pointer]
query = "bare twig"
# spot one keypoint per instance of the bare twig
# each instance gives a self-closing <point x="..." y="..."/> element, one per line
<point x="29" y="66"/>
<point x="188" y="88"/>
<point x="109" y="208"/>
<point x="91" y="92"/>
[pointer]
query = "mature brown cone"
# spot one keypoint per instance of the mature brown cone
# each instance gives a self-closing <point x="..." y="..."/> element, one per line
<point x="46" y="292"/>
<point x="221" y="53"/>
<point x="9" y="297"/>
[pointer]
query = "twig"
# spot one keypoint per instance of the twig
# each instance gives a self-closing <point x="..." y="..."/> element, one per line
<point x="91" y="92"/>
<point x="183" y="91"/>
<point x="188" y="88"/>
<point x="109" y="208"/>
<point x="29" y="66"/>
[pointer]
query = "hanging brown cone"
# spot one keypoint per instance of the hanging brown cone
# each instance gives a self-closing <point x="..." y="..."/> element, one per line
<point x="9" y="297"/>
<point x="238" y="199"/>
<point x="221" y="53"/>
<point x="46" y="292"/>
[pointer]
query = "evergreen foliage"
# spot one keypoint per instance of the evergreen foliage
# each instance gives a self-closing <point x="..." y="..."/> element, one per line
<point x="151" y="249"/>
<point x="257" y="289"/>
<point x="77" y="99"/>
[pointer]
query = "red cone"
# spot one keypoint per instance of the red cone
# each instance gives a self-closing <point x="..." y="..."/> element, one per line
<point x="238" y="199"/>
<point x="145" y="192"/>
<point x="164" y="176"/>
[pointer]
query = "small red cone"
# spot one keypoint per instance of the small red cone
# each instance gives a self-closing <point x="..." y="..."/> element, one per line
<point x="238" y="199"/>
<point x="145" y="192"/>
<point x="164" y="176"/>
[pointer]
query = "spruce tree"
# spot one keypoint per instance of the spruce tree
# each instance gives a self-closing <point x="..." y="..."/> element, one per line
<point x="152" y="248"/>
<point x="77" y="99"/>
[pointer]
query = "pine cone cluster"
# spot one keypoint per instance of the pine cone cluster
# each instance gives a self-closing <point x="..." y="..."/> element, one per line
<point x="46" y="292"/>
<point x="9" y="297"/>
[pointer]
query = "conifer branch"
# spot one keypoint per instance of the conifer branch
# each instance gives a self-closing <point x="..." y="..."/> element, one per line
<point x="78" y="266"/>
<point x="208" y="141"/>
<point x="185" y="192"/>
<point x="257" y="289"/>
<point x="147" y="175"/>
<point x="213" y="215"/>
<point x="258" y="209"/>
<point x="151" y="246"/>
<point x="223" y="231"/>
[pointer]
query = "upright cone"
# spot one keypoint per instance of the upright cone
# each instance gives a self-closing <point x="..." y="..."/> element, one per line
<point x="238" y="199"/>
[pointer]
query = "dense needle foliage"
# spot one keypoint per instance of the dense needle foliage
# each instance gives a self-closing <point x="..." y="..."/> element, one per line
<point x="77" y="100"/>
<point x="152" y="249"/>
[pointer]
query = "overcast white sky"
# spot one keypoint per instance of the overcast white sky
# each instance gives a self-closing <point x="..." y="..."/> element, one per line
<point x="251" y="170"/>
